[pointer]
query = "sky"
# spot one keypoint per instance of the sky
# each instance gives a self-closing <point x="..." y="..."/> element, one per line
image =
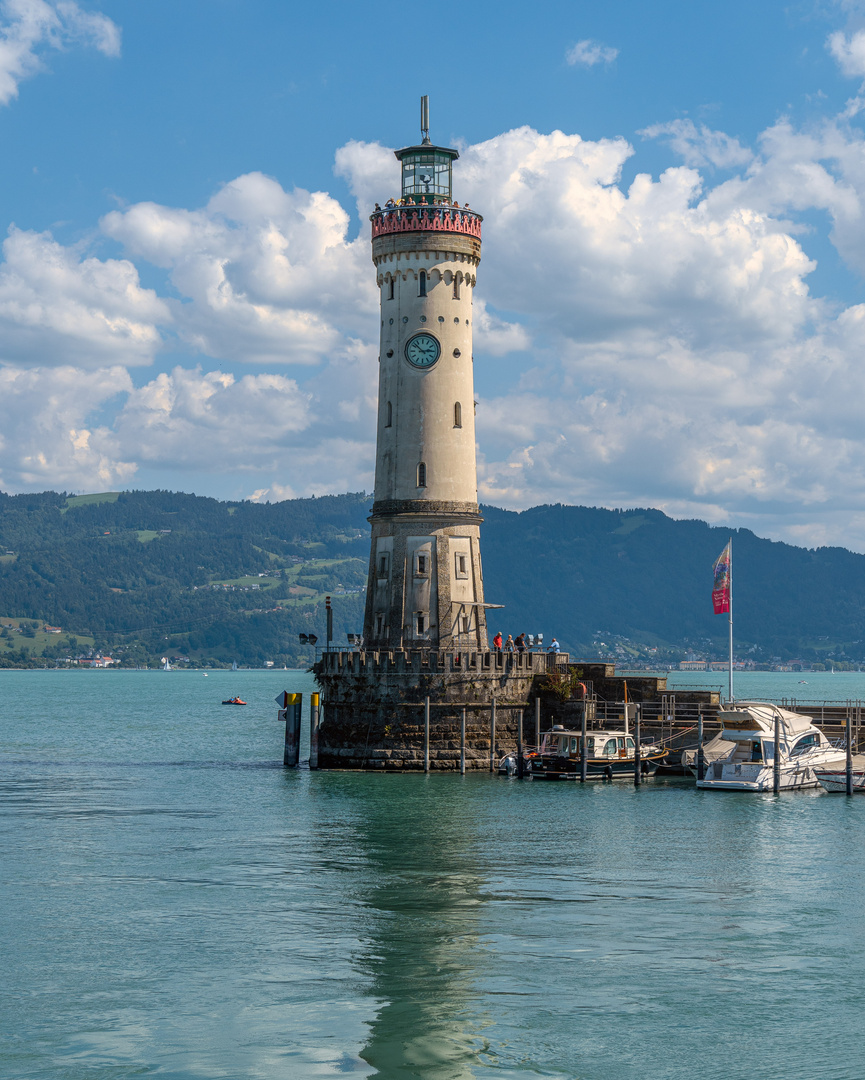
<point x="670" y="309"/>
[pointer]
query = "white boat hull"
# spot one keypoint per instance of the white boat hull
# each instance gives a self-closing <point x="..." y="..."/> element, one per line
<point x="756" y="776"/>
<point x="835" y="780"/>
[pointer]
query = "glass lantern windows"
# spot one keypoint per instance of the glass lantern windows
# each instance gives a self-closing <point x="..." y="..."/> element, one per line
<point x="427" y="173"/>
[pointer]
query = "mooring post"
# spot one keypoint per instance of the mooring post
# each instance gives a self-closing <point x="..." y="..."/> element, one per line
<point x="493" y="735"/>
<point x="520" y="744"/>
<point x="314" y="723"/>
<point x="426" y="734"/>
<point x="463" y="743"/>
<point x="538" y="723"/>
<point x="291" y="753"/>
<point x="701" y="757"/>
<point x="638" y="764"/>
<point x="584" y="750"/>
<point x="849" y="762"/>
<point x="776" y="763"/>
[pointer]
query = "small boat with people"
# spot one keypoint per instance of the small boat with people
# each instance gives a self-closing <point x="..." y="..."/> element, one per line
<point x="234" y="701"/>
<point x="750" y="764"/>
<point x="609" y="756"/>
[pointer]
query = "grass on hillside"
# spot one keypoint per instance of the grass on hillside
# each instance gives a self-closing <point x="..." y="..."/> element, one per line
<point x="84" y="500"/>
<point x="37" y="644"/>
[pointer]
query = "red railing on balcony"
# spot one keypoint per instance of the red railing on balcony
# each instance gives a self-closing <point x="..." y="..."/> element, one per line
<point x="426" y="219"/>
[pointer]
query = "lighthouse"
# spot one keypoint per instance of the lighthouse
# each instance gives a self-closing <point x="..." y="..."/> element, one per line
<point x="424" y="690"/>
<point x="425" y="585"/>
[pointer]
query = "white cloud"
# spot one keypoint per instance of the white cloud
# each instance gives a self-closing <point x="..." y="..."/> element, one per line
<point x="269" y="275"/>
<point x="48" y="440"/>
<point x="701" y="146"/>
<point x="588" y="53"/>
<point x="58" y="308"/>
<point x="211" y="421"/>
<point x="849" y="52"/>
<point x="670" y="351"/>
<point x="29" y="27"/>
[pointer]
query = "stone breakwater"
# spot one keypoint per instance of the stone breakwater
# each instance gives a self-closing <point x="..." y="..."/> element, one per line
<point x="373" y="704"/>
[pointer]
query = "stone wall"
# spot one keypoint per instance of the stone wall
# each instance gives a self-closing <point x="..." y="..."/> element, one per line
<point x="373" y="715"/>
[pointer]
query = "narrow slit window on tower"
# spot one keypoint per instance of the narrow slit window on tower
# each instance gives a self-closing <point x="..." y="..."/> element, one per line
<point x="420" y="622"/>
<point x="390" y="289"/>
<point x="462" y="565"/>
<point x="421" y="474"/>
<point x="421" y="289"/>
<point x="379" y="623"/>
<point x="388" y="415"/>
<point x="458" y="414"/>
<point x="383" y="564"/>
<point x="456" y="287"/>
<point x="421" y="565"/>
<point x="466" y="625"/>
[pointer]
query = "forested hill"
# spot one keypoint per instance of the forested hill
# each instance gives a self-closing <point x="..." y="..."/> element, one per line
<point x="147" y="574"/>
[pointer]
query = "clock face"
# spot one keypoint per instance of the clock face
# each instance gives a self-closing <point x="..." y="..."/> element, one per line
<point x="422" y="350"/>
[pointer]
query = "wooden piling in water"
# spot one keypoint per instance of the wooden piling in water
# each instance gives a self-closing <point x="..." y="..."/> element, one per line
<point x="520" y="744"/>
<point x="849" y="762"/>
<point x="538" y="723"/>
<point x="584" y="750"/>
<point x="314" y="724"/>
<point x="776" y="763"/>
<point x="638" y="764"/>
<point x="701" y="757"/>
<point x="291" y="752"/>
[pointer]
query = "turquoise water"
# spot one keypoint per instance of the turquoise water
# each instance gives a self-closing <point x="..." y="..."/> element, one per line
<point x="174" y="904"/>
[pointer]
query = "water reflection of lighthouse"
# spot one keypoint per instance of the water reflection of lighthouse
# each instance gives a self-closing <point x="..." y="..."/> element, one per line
<point x="421" y="953"/>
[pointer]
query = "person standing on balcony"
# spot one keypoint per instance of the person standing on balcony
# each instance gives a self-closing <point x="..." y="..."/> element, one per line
<point x="497" y="642"/>
<point x="554" y="646"/>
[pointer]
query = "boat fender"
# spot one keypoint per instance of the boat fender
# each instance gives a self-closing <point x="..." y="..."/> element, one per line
<point x="644" y="768"/>
<point x="608" y="772"/>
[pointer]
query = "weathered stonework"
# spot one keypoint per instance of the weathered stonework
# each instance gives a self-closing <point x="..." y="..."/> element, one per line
<point x="374" y="716"/>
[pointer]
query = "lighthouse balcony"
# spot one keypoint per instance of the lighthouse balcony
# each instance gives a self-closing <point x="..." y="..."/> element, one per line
<point x="422" y="218"/>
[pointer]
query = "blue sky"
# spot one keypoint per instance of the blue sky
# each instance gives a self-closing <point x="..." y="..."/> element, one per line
<point x="669" y="308"/>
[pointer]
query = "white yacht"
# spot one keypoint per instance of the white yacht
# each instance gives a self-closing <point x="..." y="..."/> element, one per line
<point x="748" y="766"/>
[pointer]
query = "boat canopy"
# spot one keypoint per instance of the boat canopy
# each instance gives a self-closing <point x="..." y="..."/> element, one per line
<point x="747" y="718"/>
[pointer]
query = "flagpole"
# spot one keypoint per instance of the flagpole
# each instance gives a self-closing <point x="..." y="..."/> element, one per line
<point x="731" y="620"/>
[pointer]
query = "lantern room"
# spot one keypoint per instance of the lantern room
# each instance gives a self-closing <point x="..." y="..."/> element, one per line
<point x="427" y="170"/>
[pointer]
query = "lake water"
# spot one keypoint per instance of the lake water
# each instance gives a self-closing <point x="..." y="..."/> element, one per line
<point x="174" y="904"/>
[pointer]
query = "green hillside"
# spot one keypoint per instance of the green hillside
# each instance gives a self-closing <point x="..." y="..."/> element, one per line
<point x="143" y="574"/>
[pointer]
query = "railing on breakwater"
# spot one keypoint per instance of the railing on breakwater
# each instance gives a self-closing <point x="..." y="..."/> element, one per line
<point x="441" y="660"/>
<point x="423" y="218"/>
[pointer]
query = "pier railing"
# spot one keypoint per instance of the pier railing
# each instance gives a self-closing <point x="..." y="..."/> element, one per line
<point x="423" y="218"/>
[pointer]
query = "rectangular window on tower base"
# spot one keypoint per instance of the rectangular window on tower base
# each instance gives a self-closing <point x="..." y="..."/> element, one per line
<point x="420" y="623"/>
<point x="379" y="624"/>
<point x="462" y="565"/>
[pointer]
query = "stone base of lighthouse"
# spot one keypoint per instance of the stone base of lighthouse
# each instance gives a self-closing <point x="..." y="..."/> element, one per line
<point x="373" y="706"/>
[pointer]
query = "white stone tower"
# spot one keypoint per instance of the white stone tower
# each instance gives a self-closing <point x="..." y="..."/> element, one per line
<point x="425" y="587"/>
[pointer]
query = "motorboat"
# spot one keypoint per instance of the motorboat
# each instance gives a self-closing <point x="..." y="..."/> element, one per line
<point x="749" y="765"/>
<point x="609" y="755"/>
<point x="835" y="780"/>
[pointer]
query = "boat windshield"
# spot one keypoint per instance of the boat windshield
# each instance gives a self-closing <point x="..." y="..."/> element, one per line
<point x="806" y="743"/>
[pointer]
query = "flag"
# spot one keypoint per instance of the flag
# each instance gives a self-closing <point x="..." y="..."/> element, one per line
<point x="723" y="569"/>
